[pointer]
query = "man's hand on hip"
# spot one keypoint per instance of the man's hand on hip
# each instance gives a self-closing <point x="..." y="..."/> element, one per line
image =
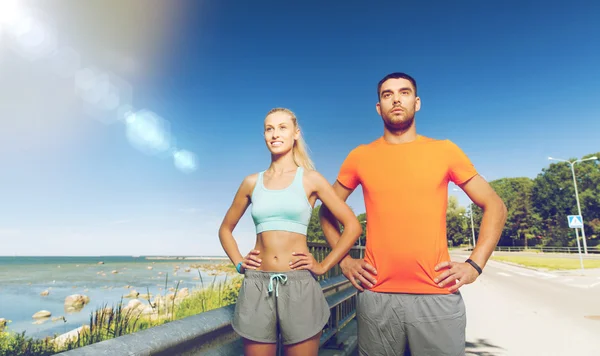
<point x="458" y="273"/>
<point x="357" y="270"/>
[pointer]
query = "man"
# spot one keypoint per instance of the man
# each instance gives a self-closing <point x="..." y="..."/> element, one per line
<point x="411" y="300"/>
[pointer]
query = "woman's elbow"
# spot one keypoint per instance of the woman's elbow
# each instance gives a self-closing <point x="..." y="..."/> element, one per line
<point x="224" y="232"/>
<point x="354" y="229"/>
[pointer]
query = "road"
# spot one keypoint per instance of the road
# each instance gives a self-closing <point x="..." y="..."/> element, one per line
<point x="520" y="311"/>
<point x="589" y="256"/>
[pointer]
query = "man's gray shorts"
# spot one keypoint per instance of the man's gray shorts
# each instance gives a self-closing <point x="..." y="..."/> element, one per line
<point x="291" y="303"/>
<point x="427" y="324"/>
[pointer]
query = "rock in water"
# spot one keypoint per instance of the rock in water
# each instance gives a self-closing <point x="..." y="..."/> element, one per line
<point x="76" y="302"/>
<point x="42" y="314"/>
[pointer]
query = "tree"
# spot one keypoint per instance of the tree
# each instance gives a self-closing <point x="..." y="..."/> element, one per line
<point x="362" y="240"/>
<point x="522" y="222"/>
<point x="554" y="199"/>
<point x="314" y="232"/>
<point x="457" y="226"/>
<point x="539" y="207"/>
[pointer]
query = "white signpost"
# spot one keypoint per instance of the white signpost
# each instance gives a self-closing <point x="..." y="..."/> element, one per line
<point x="576" y="222"/>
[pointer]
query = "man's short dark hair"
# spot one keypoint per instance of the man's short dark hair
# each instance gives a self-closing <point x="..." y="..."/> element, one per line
<point x="396" y="75"/>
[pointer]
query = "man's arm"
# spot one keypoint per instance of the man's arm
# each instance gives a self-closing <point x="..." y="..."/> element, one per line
<point x="353" y="269"/>
<point x="329" y="224"/>
<point x="492" y="223"/>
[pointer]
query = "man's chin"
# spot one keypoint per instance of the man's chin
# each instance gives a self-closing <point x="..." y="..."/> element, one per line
<point x="399" y="125"/>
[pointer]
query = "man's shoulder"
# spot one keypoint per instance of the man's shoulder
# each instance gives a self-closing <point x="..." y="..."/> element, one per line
<point x="438" y="143"/>
<point x="363" y="147"/>
<point x="427" y="139"/>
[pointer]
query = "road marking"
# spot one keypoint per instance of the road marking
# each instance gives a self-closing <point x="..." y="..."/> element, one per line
<point x="525" y="274"/>
<point x="549" y="275"/>
<point x="504" y="274"/>
<point x="579" y="285"/>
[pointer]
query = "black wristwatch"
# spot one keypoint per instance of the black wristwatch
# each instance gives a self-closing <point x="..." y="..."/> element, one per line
<point x="472" y="263"/>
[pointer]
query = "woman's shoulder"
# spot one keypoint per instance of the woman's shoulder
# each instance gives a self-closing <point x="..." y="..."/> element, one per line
<point x="249" y="182"/>
<point x="313" y="177"/>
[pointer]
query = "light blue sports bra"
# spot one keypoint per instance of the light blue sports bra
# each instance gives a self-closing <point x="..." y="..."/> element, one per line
<point x="285" y="209"/>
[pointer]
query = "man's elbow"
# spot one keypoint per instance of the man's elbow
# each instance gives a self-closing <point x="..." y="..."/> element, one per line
<point x="501" y="207"/>
<point x="497" y="207"/>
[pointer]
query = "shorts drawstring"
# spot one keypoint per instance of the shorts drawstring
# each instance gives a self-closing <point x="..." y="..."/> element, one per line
<point x="281" y="278"/>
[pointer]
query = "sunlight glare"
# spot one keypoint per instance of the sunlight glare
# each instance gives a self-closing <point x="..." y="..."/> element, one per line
<point x="148" y="132"/>
<point x="185" y="161"/>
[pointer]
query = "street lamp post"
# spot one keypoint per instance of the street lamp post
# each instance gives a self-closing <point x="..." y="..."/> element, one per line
<point x="572" y="164"/>
<point x="472" y="225"/>
<point x="470" y="213"/>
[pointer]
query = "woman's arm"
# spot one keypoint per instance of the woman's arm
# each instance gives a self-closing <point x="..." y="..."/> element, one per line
<point x="343" y="213"/>
<point x="238" y="207"/>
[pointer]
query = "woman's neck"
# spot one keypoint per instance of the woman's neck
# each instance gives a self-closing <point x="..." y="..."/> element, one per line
<point x="282" y="164"/>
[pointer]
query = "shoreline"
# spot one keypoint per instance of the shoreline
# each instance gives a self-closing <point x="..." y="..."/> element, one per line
<point x="145" y="311"/>
<point x="104" y="284"/>
<point x="187" y="258"/>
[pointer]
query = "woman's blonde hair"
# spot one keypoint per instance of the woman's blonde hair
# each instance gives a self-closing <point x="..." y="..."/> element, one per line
<point x="301" y="157"/>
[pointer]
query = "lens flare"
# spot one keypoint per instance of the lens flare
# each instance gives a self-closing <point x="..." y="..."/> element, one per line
<point x="148" y="132"/>
<point x="185" y="161"/>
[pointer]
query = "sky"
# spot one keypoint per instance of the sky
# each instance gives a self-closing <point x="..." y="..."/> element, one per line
<point x="148" y="164"/>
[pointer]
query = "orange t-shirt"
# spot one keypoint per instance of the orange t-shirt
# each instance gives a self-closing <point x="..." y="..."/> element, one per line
<point x="405" y="189"/>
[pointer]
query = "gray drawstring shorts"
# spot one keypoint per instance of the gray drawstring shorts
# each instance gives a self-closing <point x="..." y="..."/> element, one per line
<point x="291" y="303"/>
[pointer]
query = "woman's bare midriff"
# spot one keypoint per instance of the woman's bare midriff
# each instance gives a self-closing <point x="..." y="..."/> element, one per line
<point x="276" y="248"/>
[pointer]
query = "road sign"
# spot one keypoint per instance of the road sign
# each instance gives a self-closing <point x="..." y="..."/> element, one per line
<point x="575" y="221"/>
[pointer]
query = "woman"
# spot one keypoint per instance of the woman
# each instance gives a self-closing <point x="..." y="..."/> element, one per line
<point x="279" y="293"/>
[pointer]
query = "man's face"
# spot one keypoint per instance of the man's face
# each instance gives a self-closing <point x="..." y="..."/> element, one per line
<point x="398" y="103"/>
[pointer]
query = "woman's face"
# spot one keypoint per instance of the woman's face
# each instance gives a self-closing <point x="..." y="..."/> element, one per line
<point x="280" y="133"/>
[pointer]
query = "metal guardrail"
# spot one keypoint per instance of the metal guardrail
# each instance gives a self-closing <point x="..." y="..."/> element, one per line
<point x="546" y="249"/>
<point x="210" y="333"/>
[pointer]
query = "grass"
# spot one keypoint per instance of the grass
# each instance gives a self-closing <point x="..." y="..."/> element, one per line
<point x="111" y="322"/>
<point x="549" y="263"/>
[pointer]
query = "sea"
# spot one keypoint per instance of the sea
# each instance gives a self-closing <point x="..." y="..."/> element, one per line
<point x="23" y="279"/>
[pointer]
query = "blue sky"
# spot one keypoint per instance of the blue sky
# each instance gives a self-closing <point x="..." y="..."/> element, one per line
<point x="510" y="82"/>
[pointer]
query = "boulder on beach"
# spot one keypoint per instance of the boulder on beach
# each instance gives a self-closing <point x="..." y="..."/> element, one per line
<point x="145" y="296"/>
<point x="75" y="302"/>
<point x="134" y="303"/>
<point x="114" y="272"/>
<point x="42" y="314"/>
<point x="132" y="294"/>
<point x="71" y="335"/>
<point x="45" y="293"/>
<point x="100" y="263"/>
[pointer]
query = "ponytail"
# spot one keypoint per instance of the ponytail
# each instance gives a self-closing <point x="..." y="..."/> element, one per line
<point x="301" y="156"/>
<point x="300" y="150"/>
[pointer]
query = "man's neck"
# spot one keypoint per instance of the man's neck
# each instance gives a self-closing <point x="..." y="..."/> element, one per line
<point x="400" y="136"/>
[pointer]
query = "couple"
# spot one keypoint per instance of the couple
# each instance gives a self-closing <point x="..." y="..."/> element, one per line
<point x="409" y="297"/>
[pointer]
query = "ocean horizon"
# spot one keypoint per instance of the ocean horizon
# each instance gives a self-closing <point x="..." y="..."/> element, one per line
<point x="104" y="279"/>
